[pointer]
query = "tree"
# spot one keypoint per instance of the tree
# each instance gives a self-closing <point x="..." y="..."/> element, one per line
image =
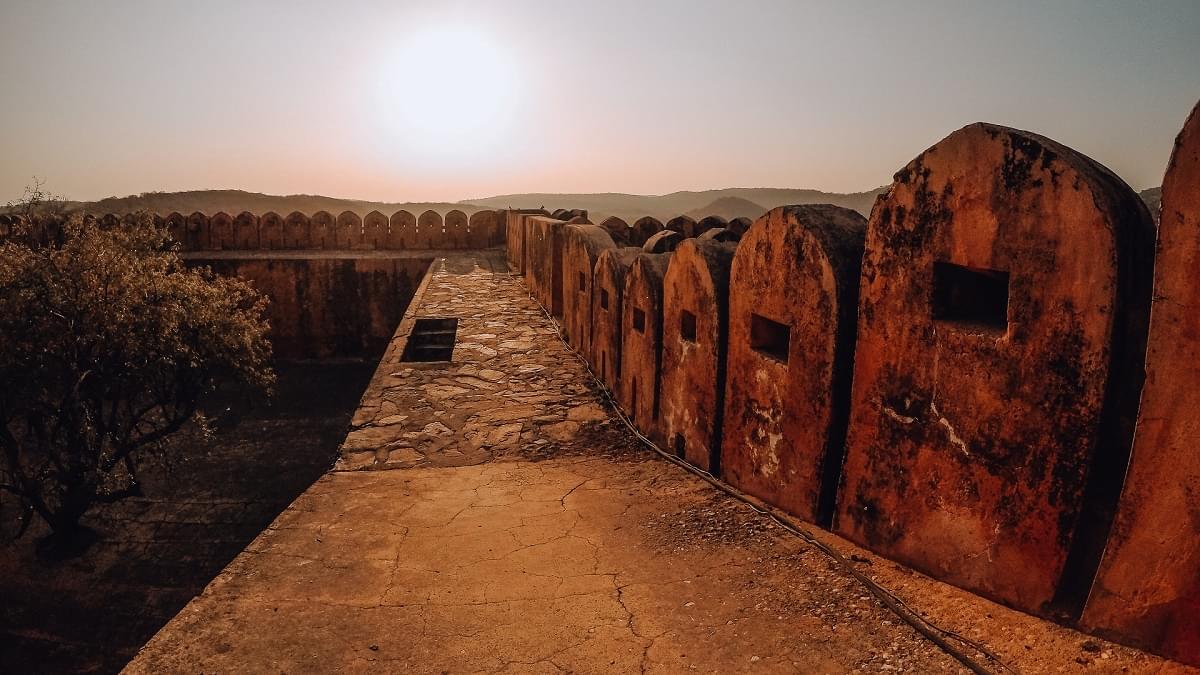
<point x="108" y="344"/>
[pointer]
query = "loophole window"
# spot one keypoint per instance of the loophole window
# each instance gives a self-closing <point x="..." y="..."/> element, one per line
<point x="639" y="320"/>
<point x="604" y="299"/>
<point x="972" y="298"/>
<point x="770" y="338"/>
<point x="687" y="326"/>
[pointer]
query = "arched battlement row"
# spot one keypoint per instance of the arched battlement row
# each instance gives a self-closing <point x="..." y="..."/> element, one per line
<point x="954" y="383"/>
<point x="196" y="232"/>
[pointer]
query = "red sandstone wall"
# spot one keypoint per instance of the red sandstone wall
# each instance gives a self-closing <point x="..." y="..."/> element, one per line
<point x="608" y="291"/>
<point x="583" y="244"/>
<point x="330" y="307"/>
<point x="695" y="326"/>
<point x="787" y="402"/>
<point x="641" y="342"/>
<point x="1148" y="586"/>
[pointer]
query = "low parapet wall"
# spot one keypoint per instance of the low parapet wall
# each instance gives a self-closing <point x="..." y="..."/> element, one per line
<point x="297" y="231"/>
<point x="974" y="418"/>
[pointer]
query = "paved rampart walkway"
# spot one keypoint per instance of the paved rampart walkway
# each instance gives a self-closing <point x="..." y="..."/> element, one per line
<point x="524" y="531"/>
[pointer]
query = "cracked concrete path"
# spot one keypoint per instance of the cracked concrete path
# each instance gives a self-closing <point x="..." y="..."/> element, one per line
<point x="440" y="545"/>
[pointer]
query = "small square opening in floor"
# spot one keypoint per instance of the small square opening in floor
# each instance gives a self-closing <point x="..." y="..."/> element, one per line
<point x="431" y="340"/>
<point x="972" y="297"/>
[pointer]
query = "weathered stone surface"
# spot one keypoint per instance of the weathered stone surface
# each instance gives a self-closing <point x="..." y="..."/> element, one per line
<point x="182" y="232"/>
<point x="347" y="231"/>
<point x="245" y="231"/>
<point x="457" y="234"/>
<point x="429" y="230"/>
<point x="270" y="231"/>
<point x="544" y="241"/>
<point x="329" y="307"/>
<point x="793" y="300"/>
<point x="506" y="386"/>
<point x="197" y="225"/>
<point x="641" y="342"/>
<point x="705" y="224"/>
<point x="295" y="231"/>
<point x="321" y="230"/>
<point x="1148" y="588"/>
<point x="738" y="226"/>
<point x="1004" y="301"/>
<point x="695" y="330"/>
<point x="221" y="231"/>
<point x="617" y="229"/>
<point x="483" y="229"/>
<point x="684" y="225"/>
<point x="663" y="242"/>
<point x="721" y="234"/>
<point x="402" y="231"/>
<point x="642" y="229"/>
<point x="583" y="245"/>
<point x="608" y="290"/>
<point x="375" y="231"/>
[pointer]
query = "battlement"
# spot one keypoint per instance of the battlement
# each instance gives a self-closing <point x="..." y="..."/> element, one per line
<point x="954" y="384"/>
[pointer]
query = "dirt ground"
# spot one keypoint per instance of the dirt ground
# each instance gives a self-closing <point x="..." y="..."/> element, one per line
<point x="91" y="614"/>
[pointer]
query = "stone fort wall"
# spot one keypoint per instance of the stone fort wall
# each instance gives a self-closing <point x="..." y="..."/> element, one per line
<point x="969" y="382"/>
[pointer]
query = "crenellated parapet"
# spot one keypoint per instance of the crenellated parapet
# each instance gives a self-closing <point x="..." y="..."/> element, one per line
<point x="970" y="382"/>
<point x="199" y="232"/>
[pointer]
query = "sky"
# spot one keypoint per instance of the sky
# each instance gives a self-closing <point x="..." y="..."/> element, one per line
<point x="449" y="100"/>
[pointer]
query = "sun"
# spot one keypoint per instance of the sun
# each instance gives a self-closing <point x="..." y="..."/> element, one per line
<point x="446" y="91"/>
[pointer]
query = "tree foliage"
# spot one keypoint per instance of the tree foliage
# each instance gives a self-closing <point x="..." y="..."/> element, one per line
<point x="107" y="345"/>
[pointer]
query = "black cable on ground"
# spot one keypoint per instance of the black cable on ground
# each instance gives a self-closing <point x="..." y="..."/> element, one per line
<point x="931" y="631"/>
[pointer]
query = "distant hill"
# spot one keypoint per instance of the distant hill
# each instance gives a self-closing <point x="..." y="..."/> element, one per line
<point x="1153" y="199"/>
<point x="236" y="201"/>
<point x="729" y="208"/>
<point x="630" y="207"/>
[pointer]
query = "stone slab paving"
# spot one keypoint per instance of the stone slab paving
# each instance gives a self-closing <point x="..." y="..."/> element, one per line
<point x="525" y="531"/>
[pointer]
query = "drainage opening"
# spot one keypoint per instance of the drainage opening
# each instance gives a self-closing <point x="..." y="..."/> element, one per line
<point x="687" y="325"/>
<point x="770" y="338"/>
<point x="431" y="340"/>
<point x="973" y="297"/>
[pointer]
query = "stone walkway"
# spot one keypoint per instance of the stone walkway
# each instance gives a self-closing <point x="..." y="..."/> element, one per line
<point x="525" y="532"/>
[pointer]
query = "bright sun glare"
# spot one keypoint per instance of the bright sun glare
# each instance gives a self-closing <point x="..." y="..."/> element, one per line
<point x="446" y="92"/>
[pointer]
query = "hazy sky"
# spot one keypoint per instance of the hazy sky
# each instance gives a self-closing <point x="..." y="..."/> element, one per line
<point x="451" y="100"/>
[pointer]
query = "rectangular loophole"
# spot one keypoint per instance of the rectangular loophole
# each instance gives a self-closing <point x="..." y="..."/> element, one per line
<point x="639" y="320"/>
<point x="687" y="326"/>
<point x="431" y="340"/>
<point x="770" y="338"/>
<point x="971" y="297"/>
<point x="580" y="282"/>
<point x="604" y="299"/>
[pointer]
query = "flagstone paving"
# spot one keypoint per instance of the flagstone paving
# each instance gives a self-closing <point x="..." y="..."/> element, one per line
<point x="489" y="514"/>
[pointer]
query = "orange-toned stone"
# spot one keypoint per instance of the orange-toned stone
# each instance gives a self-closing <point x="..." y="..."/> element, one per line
<point x="793" y="301"/>
<point x="482" y="229"/>
<point x="1147" y="591"/>
<point x="663" y="242"/>
<point x="197" y="224"/>
<point x="705" y="224"/>
<point x="457" y="233"/>
<point x="544" y="241"/>
<point x="347" y="231"/>
<point x="375" y="231"/>
<point x="1002" y="321"/>
<point x="684" y="225"/>
<point x="641" y="342"/>
<point x="245" y="231"/>
<point x="295" y="231"/>
<point x="582" y="246"/>
<point x="608" y="290"/>
<point x="321" y="230"/>
<point x="270" y="231"/>
<point x="430" y="230"/>
<point x="617" y="229"/>
<point x="694" y="336"/>
<point x="402" y="231"/>
<point x="221" y="230"/>
<point x="642" y="229"/>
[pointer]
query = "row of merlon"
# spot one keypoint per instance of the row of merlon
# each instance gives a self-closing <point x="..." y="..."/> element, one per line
<point x="956" y="383"/>
<point x="322" y="230"/>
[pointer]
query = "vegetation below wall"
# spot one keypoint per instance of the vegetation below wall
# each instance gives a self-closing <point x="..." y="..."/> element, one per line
<point x="91" y="614"/>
